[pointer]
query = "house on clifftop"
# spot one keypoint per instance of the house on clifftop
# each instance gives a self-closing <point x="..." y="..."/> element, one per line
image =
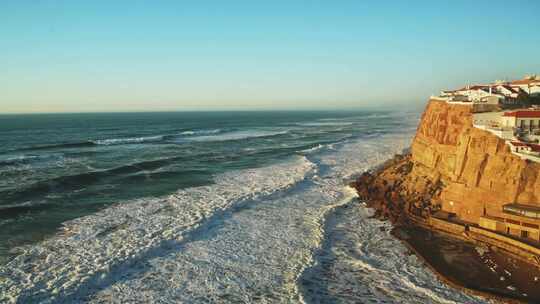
<point x="494" y="96"/>
<point x="529" y="84"/>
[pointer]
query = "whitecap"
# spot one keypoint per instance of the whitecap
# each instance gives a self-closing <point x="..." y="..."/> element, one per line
<point x="315" y="148"/>
<point x="22" y="205"/>
<point x="128" y="140"/>
<point x="237" y="135"/>
<point x="201" y="132"/>
<point x="26" y="158"/>
<point x="324" y="124"/>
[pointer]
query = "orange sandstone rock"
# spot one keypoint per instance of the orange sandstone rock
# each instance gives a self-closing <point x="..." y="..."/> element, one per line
<point x="475" y="167"/>
<point x="466" y="170"/>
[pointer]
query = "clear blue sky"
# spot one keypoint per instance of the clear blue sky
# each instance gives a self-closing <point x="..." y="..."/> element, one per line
<point x="58" y="56"/>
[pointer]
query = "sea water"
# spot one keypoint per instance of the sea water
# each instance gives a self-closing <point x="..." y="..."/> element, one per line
<point x="202" y="207"/>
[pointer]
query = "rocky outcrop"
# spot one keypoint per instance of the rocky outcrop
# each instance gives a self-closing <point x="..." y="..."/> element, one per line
<point x="466" y="172"/>
<point x="462" y="169"/>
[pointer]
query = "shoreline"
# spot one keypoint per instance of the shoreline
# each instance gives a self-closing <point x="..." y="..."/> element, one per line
<point x="450" y="281"/>
<point x="428" y="243"/>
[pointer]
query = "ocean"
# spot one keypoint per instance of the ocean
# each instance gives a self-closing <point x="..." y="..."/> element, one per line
<point x="202" y="207"/>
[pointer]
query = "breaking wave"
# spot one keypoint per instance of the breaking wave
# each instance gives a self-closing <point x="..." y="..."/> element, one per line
<point x="91" y="143"/>
<point x="131" y="140"/>
<point x="201" y="132"/>
<point x="74" y="181"/>
<point x="104" y="247"/>
<point x="56" y="146"/>
<point x="316" y="148"/>
<point x="237" y="135"/>
<point x="324" y="124"/>
<point x="185" y="136"/>
<point x="26" y="159"/>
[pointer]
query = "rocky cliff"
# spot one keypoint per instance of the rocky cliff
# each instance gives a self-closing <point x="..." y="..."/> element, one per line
<point x="468" y="172"/>
<point x="465" y="170"/>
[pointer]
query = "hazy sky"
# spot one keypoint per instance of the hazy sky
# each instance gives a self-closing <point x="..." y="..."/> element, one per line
<point x="71" y="56"/>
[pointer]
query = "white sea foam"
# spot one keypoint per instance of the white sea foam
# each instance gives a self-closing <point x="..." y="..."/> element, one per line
<point x="200" y="132"/>
<point x="18" y="158"/>
<point x="236" y="135"/>
<point x="19" y="170"/>
<point x="128" y="140"/>
<point x="22" y="205"/>
<point x="316" y="148"/>
<point x="95" y="251"/>
<point x="339" y="119"/>
<point x="29" y="158"/>
<point x="323" y="124"/>
<point x="365" y="263"/>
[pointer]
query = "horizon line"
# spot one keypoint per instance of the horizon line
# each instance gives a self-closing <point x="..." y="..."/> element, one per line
<point x="241" y="109"/>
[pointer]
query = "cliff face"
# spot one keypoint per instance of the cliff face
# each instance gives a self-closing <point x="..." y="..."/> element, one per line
<point x="468" y="171"/>
<point x="476" y="171"/>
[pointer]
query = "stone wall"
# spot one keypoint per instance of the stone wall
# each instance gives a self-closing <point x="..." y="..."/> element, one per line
<point x="446" y="226"/>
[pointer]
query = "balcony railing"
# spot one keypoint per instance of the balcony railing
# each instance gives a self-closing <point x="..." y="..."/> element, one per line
<point x="522" y="210"/>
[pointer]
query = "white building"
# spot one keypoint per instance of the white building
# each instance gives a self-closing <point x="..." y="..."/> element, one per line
<point x="523" y="119"/>
<point x="477" y="93"/>
<point x="525" y="150"/>
<point x="529" y="84"/>
<point x="491" y="122"/>
<point x="508" y="91"/>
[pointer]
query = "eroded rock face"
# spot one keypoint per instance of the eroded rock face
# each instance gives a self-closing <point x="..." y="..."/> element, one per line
<point x="465" y="170"/>
<point x="476" y="168"/>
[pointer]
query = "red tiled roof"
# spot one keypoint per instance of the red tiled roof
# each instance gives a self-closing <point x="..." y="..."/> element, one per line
<point x="523" y="114"/>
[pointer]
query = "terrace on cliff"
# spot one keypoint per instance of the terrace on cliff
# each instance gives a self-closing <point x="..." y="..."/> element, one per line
<point x="520" y="129"/>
